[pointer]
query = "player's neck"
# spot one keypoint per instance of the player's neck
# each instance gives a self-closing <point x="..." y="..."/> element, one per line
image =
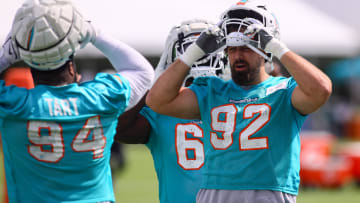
<point x="250" y="85"/>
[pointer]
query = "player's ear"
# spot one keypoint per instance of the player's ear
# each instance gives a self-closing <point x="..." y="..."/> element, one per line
<point x="78" y="77"/>
<point x="72" y="70"/>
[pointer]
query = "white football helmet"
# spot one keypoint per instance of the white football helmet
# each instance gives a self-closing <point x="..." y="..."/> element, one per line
<point x="47" y="32"/>
<point x="238" y="17"/>
<point x="178" y="40"/>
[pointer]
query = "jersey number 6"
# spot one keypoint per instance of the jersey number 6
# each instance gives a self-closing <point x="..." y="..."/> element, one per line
<point x="184" y="145"/>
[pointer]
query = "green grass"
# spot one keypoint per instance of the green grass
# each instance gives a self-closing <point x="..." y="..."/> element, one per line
<point x="137" y="183"/>
<point x="349" y="194"/>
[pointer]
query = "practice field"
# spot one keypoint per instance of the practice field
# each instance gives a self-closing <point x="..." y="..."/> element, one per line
<point x="138" y="184"/>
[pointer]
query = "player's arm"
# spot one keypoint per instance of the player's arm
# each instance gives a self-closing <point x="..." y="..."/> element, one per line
<point x="314" y="87"/>
<point x="9" y="53"/>
<point x="167" y="96"/>
<point x="127" y="61"/>
<point x="132" y="127"/>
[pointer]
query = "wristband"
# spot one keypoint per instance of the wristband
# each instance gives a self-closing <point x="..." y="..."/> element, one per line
<point x="277" y="48"/>
<point x="192" y="54"/>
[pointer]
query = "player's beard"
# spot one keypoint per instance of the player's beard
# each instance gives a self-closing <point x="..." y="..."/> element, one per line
<point x="248" y="76"/>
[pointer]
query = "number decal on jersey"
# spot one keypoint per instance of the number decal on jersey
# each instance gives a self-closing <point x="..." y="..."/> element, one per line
<point x="263" y="116"/>
<point x="223" y="120"/>
<point x="48" y="148"/>
<point x="226" y="126"/>
<point x="184" y="145"/>
<point x="96" y="144"/>
<point x="47" y="143"/>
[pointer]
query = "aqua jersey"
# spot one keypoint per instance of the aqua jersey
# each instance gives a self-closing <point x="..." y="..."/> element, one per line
<point x="178" y="153"/>
<point x="57" y="139"/>
<point x="251" y="135"/>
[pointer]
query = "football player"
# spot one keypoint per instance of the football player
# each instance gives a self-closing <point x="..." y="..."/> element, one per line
<point x="251" y="123"/>
<point x="176" y="144"/>
<point x="59" y="134"/>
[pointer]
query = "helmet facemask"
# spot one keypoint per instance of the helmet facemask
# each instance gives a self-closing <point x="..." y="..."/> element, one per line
<point x="234" y="30"/>
<point x="208" y="65"/>
<point x="179" y="39"/>
<point x="236" y="21"/>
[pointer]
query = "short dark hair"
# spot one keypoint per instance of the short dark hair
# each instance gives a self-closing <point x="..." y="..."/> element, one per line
<point x="53" y="77"/>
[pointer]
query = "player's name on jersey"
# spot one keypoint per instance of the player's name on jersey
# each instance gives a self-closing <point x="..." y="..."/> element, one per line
<point x="62" y="107"/>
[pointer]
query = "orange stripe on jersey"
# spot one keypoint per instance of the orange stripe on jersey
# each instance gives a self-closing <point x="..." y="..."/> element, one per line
<point x="118" y="78"/>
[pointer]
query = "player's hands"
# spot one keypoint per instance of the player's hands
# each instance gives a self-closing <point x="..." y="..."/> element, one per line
<point x="88" y="33"/>
<point x="267" y="41"/>
<point x="209" y="41"/>
<point x="9" y="53"/>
